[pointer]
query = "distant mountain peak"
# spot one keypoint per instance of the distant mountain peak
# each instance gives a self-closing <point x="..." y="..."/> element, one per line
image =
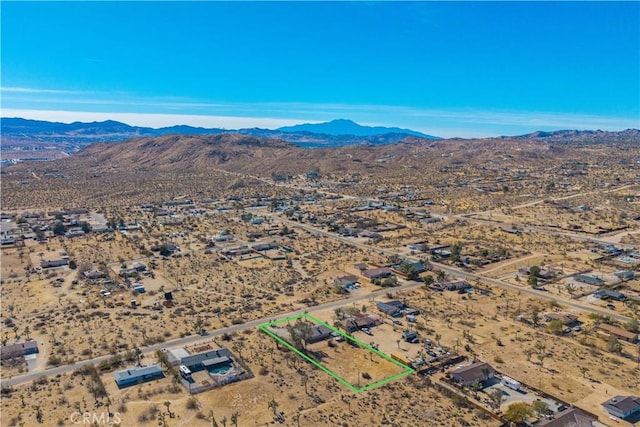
<point x="349" y="127"/>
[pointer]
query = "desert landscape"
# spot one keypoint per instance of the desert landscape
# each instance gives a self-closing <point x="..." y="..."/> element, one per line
<point x="104" y="277"/>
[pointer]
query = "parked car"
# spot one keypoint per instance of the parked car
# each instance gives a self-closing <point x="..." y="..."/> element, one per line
<point x="397" y="322"/>
<point x="367" y="331"/>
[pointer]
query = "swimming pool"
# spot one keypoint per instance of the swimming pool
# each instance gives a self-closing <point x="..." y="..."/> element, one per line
<point x="220" y="370"/>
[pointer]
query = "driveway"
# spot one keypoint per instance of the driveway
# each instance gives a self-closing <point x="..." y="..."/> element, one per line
<point x="510" y="396"/>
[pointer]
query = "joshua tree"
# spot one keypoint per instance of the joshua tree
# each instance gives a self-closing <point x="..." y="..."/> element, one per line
<point x="541" y="357"/>
<point x="138" y="353"/>
<point x="273" y="405"/>
<point x="214" y="423"/>
<point x="234" y="419"/>
<point x="38" y="414"/>
<point x="168" y="405"/>
<point x="528" y="352"/>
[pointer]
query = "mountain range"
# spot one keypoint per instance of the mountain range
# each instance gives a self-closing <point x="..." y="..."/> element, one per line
<point x="330" y="134"/>
<point x="24" y="139"/>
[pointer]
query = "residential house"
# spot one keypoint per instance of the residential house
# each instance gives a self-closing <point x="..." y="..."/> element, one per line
<point x="207" y="360"/>
<point x="262" y="247"/>
<point x="622" y="406"/>
<point x="389" y="309"/>
<point x="128" y="272"/>
<point x="54" y="263"/>
<point x="8" y="241"/>
<point x="377" y="273"/>
<point x="319" y="333"/>
<point x="589" y="279"/>
<point x="606" y="294"/>
<point x="567" y="319"/>
<point x="542" y="274"/>
<point x="624" y="274"/>
<point x="410" y="336"/>
<point x="400" y="268"/>
<point x="238" y="251"/>
<point x="138" y="266"/>
<point x="570" y="417"/>
<point x="128" y="377"/>
<point x="459" y="285"/>
<point x="359" y="321"/>
<point x="18" y="349"/>
<point x="619" y="333"/>
<point x="75" y="233"/>
<point x="94" y="274"/>
<point x="420" y="246"/>
<point x="475" y="372"/>
<point x="345" y="282"/>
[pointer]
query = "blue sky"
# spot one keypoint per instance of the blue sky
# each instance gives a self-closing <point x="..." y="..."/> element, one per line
<point x="447" y="69"/>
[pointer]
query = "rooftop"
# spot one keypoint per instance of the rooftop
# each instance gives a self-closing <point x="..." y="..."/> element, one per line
<point x="137" y="372"/>
<point x="623" y="404"/>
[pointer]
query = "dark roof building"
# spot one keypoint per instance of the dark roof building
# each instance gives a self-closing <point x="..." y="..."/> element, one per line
<point x="589" y="279"/>
<point x="132" y="376"/>
<point x="620" y="333"/>
<point x="567" y="319"/>
<point x="200" y="361"/>
<point x="360" y="321"/>
<point x="345" y="280"/>
<point x="605" y="294"/>
<point x="377" y="273"/>
<point x="622" y="406"/>
<point x="319" y="333"/>
<point x="389" y="309"/>
<point x="460" y="285"/>
<point x="18" y="349"/>
<point x="571" y="417"/>
<point x="54" y="263"/>
<point x="477" y="371"/>
<point x="95" y="274"/>
<point x="624" y="274"/>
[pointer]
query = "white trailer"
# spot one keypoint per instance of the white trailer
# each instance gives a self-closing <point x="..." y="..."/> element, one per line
<point x="511" y="383"/>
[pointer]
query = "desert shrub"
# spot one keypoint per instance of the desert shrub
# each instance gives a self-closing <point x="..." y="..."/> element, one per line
<point x="192" y="404"/>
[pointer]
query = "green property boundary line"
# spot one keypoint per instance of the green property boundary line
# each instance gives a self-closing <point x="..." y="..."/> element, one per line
<point x="265" y="328"/>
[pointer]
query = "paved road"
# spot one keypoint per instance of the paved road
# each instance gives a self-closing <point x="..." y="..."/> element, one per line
<point x="537" y="229"/>
<point x="467" y="275"/>
<point x="327" y="306"/>
<point x="21" y="379"/>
